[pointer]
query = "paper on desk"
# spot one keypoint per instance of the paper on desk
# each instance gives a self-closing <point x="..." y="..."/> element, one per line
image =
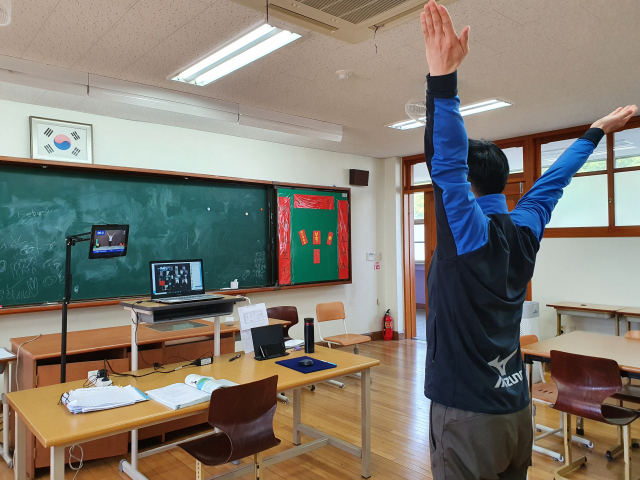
<point x="293" y="343"/>
<point x="251" y="316"/>
<point x="83" y="400"/>
<point x="5" y="354"/>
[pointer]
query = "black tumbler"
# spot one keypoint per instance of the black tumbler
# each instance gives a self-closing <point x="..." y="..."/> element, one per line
<point x="309" y="345"/>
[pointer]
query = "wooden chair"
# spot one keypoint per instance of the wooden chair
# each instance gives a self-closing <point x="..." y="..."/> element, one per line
<point x="327" y="312"/>
<point x="584" y="383"/>
<point x="244" y="416"/>
<point x="289" y="314"/>
<point x="546" y="394"/>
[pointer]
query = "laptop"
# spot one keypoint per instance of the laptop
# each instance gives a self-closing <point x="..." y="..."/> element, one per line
<point x="178" y="282"/>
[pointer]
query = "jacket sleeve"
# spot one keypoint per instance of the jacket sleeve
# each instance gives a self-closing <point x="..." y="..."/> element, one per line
<point x="462" y="227"/>
<point x="535" y="207"/>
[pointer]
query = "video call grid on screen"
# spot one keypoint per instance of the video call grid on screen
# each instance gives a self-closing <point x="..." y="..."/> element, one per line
<point x="171" y="278"/>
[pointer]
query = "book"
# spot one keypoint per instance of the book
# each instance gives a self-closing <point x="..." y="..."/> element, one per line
<point x="83" y="400"/>
<point x="195" y="389"/>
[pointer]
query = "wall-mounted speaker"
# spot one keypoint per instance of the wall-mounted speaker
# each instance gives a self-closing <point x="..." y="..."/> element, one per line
<point x="359" y="178"/>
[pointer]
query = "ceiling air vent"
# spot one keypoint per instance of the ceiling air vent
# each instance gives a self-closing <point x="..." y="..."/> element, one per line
<point x="352" y="21"/>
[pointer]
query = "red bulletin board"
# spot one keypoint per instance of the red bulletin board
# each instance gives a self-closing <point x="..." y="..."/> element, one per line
<point x="314" y="235"/>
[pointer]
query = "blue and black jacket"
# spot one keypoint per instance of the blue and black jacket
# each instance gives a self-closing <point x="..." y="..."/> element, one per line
<point x="481" y="266"/>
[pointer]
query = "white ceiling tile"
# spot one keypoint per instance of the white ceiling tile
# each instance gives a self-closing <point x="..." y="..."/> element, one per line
<point x="27" y="17"/>
<point x="72" y="28"/>
<point x="144" y="26"/>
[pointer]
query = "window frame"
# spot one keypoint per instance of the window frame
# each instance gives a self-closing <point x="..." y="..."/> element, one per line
<point x="532" y="153"/>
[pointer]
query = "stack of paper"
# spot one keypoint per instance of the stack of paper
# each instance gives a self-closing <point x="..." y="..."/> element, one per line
<point x="85" y="400"/>
<point x="293" y="343"/>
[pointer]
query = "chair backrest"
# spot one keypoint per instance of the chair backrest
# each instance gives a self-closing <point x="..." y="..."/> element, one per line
<point x="326" y="312"/>
<point x="633" y="334"/>
<point x="584" y="383"/>
<point x="245" y="414"/>
<point x="290" y="314"/>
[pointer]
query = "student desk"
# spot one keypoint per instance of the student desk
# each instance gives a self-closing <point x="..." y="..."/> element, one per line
<point x="631" y="314"/>
<point x="38" y="410"/>
<point x="4" y="451"/>
<point x="585" y="310"/>
<point x="623" y="350"/>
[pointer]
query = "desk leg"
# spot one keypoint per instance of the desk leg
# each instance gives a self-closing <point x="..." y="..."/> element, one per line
<point x="216" y="337"/>
<point x="57" y="463"/>
<point x="297" y="415"/>
<point x="617" y="325"/>
<point x="134" y="345"/>
<point x="131" y="469"/>
<point x="559" y="323"/>
<point x="365" y="387"/>
<point x="5" y="418"/>
<point x="20" y="468"/>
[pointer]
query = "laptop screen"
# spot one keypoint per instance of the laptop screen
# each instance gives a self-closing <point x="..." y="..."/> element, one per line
<point x="172" y="279"/>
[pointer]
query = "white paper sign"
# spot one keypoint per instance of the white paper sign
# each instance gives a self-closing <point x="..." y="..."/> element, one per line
<point x="251" y="316"/>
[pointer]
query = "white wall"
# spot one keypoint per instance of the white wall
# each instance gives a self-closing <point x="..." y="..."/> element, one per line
<point x="594" y="270"/>
<point x="144" y="145"/>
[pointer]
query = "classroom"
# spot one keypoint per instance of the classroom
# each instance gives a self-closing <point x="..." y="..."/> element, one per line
<point x="319" y="239"/>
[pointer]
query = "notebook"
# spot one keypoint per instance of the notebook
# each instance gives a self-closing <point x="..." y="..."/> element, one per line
<point x="195" y="389"/>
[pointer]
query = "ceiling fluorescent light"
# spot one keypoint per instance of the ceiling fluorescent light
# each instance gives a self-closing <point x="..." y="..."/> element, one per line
<point x="285" y="123"/>
<point x="406" y="125"/>
<point x="483" y="107"/>
<point x="104" y="88"/>
<point x="239" y="52"/>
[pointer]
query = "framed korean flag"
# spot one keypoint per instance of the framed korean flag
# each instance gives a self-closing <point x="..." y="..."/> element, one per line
<point x="61" y="141"/>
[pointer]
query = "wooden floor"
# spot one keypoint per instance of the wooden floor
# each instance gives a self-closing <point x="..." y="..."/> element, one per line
<point x="400" y="423"/>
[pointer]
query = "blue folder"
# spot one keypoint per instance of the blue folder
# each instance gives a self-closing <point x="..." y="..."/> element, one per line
<point x="317" y="366"/>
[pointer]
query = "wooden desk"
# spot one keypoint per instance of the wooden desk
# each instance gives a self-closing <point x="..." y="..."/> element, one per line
<point x="623" y="350"/>
<point x="54" y="426"/>
<point x="87" y="350"/>
<point x="626" y="352"/>
<point x="4" y="449"/>
<point x="585" y="310"/>
<point x="630" y="314"/>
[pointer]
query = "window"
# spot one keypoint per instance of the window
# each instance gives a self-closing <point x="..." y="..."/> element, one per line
<point x="421" y="174"/>
<point x="585" y="202"/>
<point x="597" y="162"/>
<point x="515" y="156"/>
<point x="418" y="227"/>
<point x="626" y="177"/>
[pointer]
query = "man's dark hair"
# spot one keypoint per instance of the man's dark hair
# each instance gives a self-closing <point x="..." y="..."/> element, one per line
<point x="488" y="167"/>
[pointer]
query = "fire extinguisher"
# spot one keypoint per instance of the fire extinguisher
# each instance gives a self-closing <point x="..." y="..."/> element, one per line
<point x="387" y="326"/>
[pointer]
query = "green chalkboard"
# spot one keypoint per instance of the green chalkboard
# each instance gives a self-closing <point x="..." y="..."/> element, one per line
<point x="170" y="218"/>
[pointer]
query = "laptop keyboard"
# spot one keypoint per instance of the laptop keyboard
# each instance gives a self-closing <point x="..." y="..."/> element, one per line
<point x="190" y="298"/>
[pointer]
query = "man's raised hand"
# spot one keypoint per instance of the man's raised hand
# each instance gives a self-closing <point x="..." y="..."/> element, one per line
<point x="445" y="50"/>
<point x="616" y="119"/>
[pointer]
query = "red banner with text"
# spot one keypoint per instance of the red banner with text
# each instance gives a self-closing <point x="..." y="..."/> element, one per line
<point x="343" y="239"/>
<point x="284" y="236"/>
